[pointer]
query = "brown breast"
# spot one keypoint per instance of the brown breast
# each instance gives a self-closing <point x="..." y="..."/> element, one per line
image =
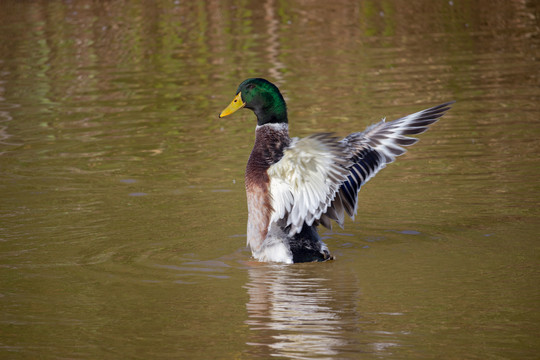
<point x="270" y="141"/>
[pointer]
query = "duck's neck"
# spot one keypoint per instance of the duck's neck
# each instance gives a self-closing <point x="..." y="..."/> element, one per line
<point x="271" y="110"/>
<point x="266" y="117"/>
<point x="269" y="132"/>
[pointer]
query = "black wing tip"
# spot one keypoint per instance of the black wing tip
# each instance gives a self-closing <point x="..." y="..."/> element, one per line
<point x="449" y="103"/>
<point x="442" y="107"/>
<point x="433" y="114"/>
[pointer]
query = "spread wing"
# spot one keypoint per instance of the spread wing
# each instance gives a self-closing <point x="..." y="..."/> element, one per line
<point x="369" y="151"/>
<point x="319" y="177"/>
<point x="306" y="180"/>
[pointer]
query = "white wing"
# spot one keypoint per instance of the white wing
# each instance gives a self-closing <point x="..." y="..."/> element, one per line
<point x="306" y="179"/>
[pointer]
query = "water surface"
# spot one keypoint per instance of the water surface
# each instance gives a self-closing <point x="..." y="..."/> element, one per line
<point x="122" y="219"/>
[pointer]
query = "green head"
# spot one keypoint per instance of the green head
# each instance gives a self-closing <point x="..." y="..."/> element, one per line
<point x="263" y="98"/>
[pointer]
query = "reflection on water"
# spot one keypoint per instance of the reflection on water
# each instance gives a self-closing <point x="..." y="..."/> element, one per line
<point x="292" y="312"/>
<point x="308" y="311"/>
<point x="273" y="42"/>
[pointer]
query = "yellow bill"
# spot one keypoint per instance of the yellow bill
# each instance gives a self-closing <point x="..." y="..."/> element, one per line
<point x="235" y="105"/>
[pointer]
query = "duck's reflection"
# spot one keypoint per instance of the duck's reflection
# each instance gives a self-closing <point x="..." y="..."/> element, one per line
<point x="293" y="311"/>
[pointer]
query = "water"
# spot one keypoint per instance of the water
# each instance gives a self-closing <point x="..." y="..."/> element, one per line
<point x="122" y="219"/>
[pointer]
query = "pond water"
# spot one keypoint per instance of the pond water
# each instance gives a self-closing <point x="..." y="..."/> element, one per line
<point x="123" y="210"/>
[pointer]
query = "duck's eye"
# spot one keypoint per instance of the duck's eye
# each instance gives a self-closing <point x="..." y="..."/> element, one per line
<point x="250" y="86"/>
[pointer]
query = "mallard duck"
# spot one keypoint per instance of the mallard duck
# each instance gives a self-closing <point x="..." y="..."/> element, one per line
<point x="293" y="185"/>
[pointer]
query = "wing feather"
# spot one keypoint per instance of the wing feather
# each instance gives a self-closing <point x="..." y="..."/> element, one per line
<point x="306" y="179"/>
<point x="375" y="147"/>
<point x="318" y="178"/>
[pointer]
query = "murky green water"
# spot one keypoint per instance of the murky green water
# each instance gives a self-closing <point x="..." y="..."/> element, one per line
<point x="122" y="213"/>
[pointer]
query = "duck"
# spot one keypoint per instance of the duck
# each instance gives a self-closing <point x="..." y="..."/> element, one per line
<point x="293" y="185"/>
